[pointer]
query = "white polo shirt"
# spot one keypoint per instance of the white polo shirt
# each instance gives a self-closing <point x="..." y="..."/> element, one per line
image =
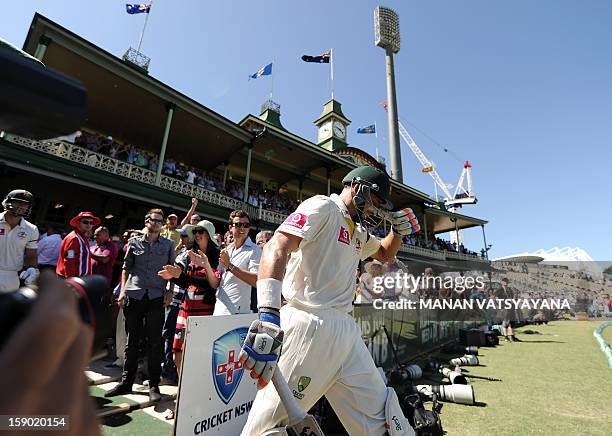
<point x="321" y="274"/>
<point x="234" y="295"/>
<point x="13" y="243"/>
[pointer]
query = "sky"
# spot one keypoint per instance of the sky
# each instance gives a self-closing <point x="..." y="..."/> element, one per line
<point x="521" y="89"/>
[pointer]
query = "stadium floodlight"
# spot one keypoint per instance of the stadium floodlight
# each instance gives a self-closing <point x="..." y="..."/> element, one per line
<point x="386" y="28"/>
<point x="387" y="36"/>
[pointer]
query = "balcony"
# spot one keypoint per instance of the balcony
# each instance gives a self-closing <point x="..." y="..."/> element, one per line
<point x="80" y="155"/>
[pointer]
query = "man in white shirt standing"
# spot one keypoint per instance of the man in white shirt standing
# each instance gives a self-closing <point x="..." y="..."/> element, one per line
<point x="48" y="248"/>
<point x="322" y="349"/>
<point x="239" y="263"/>
<point x="18" y="240"/>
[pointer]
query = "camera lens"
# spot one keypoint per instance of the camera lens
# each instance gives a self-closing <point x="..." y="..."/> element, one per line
<point x="93" y="304"/>
<point x="94" y="307"/>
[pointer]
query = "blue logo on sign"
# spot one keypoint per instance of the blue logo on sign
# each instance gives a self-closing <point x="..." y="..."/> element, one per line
<point x="227" y="370"/>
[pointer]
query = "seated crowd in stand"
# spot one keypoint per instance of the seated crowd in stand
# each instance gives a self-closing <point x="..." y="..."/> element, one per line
<point x="433" y="242"/>
<point x="258" y="196"/>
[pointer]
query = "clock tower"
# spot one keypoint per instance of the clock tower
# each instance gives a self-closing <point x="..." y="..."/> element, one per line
<point x="332" y="127"/>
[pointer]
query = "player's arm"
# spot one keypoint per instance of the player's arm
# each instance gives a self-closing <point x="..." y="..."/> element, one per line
<point x="389" y="247"/>
<point x="403" y="222"/>
<point x="31" y="258"/>
<point x="262" y="345"/>
<point x="276" y="254"/>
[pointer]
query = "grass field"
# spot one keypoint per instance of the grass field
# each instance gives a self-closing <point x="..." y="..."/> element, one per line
<point x="556" y="383"/>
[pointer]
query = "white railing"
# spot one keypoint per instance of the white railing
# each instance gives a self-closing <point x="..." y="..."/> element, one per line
<point x="422" y="251"/>
<point x="108" y="164"/>
<point x="462" y="256"/>
<point x="90" y="158"/>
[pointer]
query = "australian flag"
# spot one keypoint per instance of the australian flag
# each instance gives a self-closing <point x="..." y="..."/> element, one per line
<point x="137" y="9"/>
<point x="263" y="71"/>
<point x="321" y="59"/>
<point x="367" y="129"/>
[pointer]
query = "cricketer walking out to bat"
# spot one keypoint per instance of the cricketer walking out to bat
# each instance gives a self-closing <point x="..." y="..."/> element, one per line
<point x="311" y="260"/>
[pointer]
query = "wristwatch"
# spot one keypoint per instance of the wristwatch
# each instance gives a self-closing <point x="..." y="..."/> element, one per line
<point x="231" y="267"/>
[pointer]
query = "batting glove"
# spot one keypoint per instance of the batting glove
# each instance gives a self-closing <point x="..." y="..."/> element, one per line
<point x="261" y="347"/>
<point x="29" y="276"/>
<point x="404" y="222"/>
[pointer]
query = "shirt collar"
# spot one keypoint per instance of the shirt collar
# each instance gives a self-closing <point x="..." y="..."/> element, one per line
<point x="336" y="199"/>
<point x="3" y="219"/>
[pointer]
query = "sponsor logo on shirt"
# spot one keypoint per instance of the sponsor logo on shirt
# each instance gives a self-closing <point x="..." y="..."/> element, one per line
<point x="71" y="254"/>
<point x="297" y="220"/>
<point x="22" y="235"/>
<point x="343" y="236"/>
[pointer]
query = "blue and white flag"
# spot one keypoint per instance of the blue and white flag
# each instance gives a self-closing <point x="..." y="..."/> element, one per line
<point x="368" y="129"/>
<point x="137" y="9"/>
<point x="263" y="71"/>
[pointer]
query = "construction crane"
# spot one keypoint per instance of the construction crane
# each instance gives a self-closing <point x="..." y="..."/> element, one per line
<point x="462" y="195"/>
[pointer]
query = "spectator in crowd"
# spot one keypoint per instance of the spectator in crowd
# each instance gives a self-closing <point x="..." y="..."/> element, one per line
<point x="18" y="241"/>
<point x="196" y="271"/>
<point x="191" y="213"/>
<point x="173" y="303"/>
<point x="142" y="297"/>
<point x="49" y="248"/>
<point x="190" y="176"/>
<point x="195" y="219"/>
<point x="509" y="315"/>
<point x="219" y="239"/>
<point x="239" y="266"/>
<point x="367" y="288"/>
<point x="228" y="238"/>
<point x="74" y="258"/>
<point x="103" y="254"/>
<point x="263" y="237"/>
<point x="169" y="230"/>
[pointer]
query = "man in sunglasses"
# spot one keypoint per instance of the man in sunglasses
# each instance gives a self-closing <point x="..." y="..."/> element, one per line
<point x="74" y="257"/>
<point x="142" y="298"/>
<point x="239" y="264"/>
<point x="311" y="260"/>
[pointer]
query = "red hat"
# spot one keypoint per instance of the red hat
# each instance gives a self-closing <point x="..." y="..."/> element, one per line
<point x="74" y="221"/>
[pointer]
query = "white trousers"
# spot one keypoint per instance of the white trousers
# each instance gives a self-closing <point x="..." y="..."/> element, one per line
<point x="323" y="354"/>
<point x="9" y="281"/>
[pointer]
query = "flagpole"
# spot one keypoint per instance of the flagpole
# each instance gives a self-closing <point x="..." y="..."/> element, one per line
<point x="331" y="62"/>
<point x="375" y="130"/>
<point x="272" y="86"/>
<point x="144" y="27"/>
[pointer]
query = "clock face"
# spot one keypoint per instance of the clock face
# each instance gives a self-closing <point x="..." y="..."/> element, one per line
<point x="325" y="130"/>
<point x="339" y="130"/>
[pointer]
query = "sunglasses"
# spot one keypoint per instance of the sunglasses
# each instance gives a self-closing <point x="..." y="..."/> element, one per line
<point x="199" y="231"/>
<point x="153" y="220"/>
<point x="241" y="225"/>
<point x="87" y="222"/>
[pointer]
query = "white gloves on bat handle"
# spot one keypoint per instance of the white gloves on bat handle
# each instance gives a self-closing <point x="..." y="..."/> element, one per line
<point x="30" y="275"/>
<point x="403" y="222"/>
<point x="262" y="345"/>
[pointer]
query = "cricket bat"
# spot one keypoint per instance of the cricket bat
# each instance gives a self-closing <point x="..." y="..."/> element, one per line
<point x="300" y="423"/>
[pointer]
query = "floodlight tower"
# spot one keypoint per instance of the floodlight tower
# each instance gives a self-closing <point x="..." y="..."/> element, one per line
<point x="387" y="36"/>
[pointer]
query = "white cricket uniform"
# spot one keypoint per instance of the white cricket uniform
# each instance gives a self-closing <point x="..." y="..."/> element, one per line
<point x="234" y="295"/>
<point x="13" y="242"/>
<point x="323" y="353"/>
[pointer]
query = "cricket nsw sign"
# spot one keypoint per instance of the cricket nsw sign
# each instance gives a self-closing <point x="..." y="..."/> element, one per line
<point x="216" y="393"/>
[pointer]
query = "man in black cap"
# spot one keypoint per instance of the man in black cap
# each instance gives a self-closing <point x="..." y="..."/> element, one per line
<point x="311" y="260"/>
